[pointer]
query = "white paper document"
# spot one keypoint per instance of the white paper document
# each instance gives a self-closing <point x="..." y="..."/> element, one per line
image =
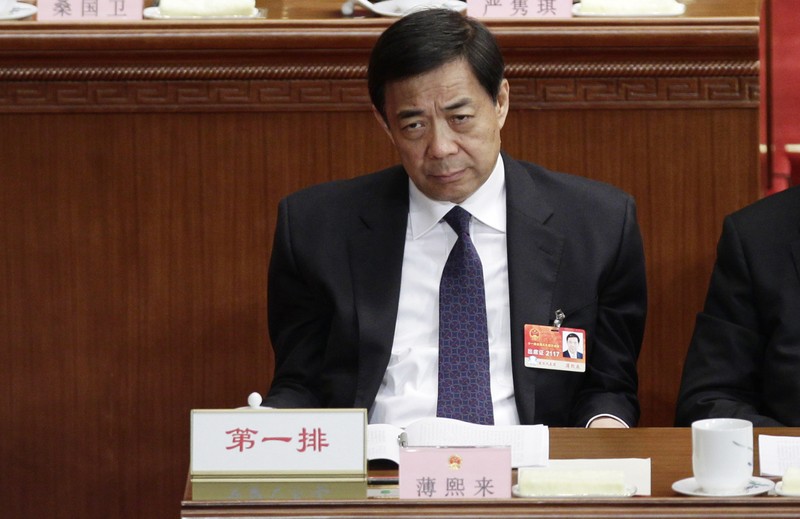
<point x="777" y="453"/>
<point x="530" y="444"/>
<point x="636" y="471"/>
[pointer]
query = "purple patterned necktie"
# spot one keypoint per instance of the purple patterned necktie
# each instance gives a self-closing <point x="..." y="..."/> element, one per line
<point x="464" y="388"/>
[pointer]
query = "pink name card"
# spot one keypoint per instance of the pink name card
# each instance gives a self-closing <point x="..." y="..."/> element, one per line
<point x="538" y="9"/>
<point x="90" y="10"/>
<point x="455" y="472"/>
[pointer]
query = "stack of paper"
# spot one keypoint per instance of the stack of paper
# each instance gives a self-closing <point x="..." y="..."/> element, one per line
<point x="530" y="444"/>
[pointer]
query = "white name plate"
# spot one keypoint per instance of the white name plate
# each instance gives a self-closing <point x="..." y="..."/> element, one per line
<point x="455" y="472"/>
<point x="278" y="442"/>
<point x="90" y="10"/>
<point x="541" y="9"/>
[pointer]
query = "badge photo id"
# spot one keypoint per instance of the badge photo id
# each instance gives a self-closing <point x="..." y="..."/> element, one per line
<point x="548" y="347"/>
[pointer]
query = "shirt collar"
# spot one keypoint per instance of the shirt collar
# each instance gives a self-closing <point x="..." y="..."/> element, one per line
<point x="487" y="204"/>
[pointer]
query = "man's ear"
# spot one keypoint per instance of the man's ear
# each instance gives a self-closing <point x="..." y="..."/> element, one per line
<point x="501" y="107"/>
<point x="382" y="122"/>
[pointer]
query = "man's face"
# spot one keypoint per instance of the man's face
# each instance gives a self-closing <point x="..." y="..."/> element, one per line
<point x="446" y="129"/>
<point x="572" y="344"/>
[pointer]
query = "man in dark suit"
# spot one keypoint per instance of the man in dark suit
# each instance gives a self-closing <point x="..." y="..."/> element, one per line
<point x="744" y="358"/>
<point x="355" y="268"/>
<point x="573" y="347"/>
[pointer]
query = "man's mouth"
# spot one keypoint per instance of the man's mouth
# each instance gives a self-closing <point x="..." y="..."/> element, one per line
<point x="447" y="176"/>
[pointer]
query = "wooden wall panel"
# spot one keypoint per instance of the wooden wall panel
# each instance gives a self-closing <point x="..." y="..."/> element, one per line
<point x="134" y="259"/>
<point x="139" y="189"/>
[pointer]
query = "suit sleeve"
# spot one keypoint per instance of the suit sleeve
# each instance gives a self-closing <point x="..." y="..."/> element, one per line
<point x="298" y="323"/>
<point x="721" y="372"/>
<point x="611" y="382"/>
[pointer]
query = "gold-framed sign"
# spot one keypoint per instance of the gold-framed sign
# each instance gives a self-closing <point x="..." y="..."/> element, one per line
<point x="278" y="454"/>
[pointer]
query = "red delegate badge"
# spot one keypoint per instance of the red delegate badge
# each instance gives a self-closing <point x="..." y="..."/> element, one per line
<point x="548" y="347"/>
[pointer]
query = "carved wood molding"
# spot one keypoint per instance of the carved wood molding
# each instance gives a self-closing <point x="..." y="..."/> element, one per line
<point x="634" y="69"/>
<point x="329" y="71"/>
<point x="182" y="72"/>
<point x="670" y="92"/>
<point x="342" y="87"/>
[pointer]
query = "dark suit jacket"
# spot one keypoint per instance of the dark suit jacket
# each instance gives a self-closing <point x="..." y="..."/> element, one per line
<point x="334" y="283"/>
<point x="744" y="358"/>
<point x="578" y="355"/>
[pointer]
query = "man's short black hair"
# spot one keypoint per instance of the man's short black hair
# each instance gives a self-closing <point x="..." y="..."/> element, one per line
<point x="425" y="40"/>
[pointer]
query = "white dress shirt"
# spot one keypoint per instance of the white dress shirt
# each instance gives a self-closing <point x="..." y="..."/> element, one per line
<point x="409" y="388"/>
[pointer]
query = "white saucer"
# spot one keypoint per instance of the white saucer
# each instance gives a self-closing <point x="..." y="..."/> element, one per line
<point x="629" y="491"/>
<point x="154" y="13"/>
<point x="19" y="11"/>
<point x="677" y="10"/>
<point x="689" y="487"/>
<point x="395" y="8"/>
<point x="780" y="492"/>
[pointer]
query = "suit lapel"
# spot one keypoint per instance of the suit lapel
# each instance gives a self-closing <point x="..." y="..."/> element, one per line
<point x="534" y="255"/>
<point x="376" y="260"/>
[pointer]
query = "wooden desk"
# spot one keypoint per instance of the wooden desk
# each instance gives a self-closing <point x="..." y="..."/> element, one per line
<point x="141" y="166"/>
<point x="669" y="449"/>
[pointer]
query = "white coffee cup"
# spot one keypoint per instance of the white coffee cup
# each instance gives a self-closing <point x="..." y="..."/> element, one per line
<point x="722" y="454"/>
<point x="6" y="6"/>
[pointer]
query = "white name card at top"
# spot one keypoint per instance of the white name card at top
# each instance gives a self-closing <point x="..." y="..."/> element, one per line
<point x="520" y="9"/>
<point x="455" y="472"/>
<point x="90" y="10"/>
<point x="279" y="442"/>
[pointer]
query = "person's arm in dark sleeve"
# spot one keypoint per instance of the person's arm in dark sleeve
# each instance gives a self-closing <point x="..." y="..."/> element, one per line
<point x="612" y="381"/>
<point x="721" y="371"/>
<point x="298" y="322"/>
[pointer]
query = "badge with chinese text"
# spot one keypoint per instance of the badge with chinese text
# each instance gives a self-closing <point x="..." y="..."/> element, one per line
<point x="548" y="347"/>
<point x="455" y="472"/>
<point x="542" y="9"/>
<point x="278" y="441"/>
<point x="90" y="10"/>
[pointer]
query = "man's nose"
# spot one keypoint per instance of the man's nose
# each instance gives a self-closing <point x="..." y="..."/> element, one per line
<point x="442" y="142"/>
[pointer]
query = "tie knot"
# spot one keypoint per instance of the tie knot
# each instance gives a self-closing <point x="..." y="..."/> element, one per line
<point x="458" y="218"/>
